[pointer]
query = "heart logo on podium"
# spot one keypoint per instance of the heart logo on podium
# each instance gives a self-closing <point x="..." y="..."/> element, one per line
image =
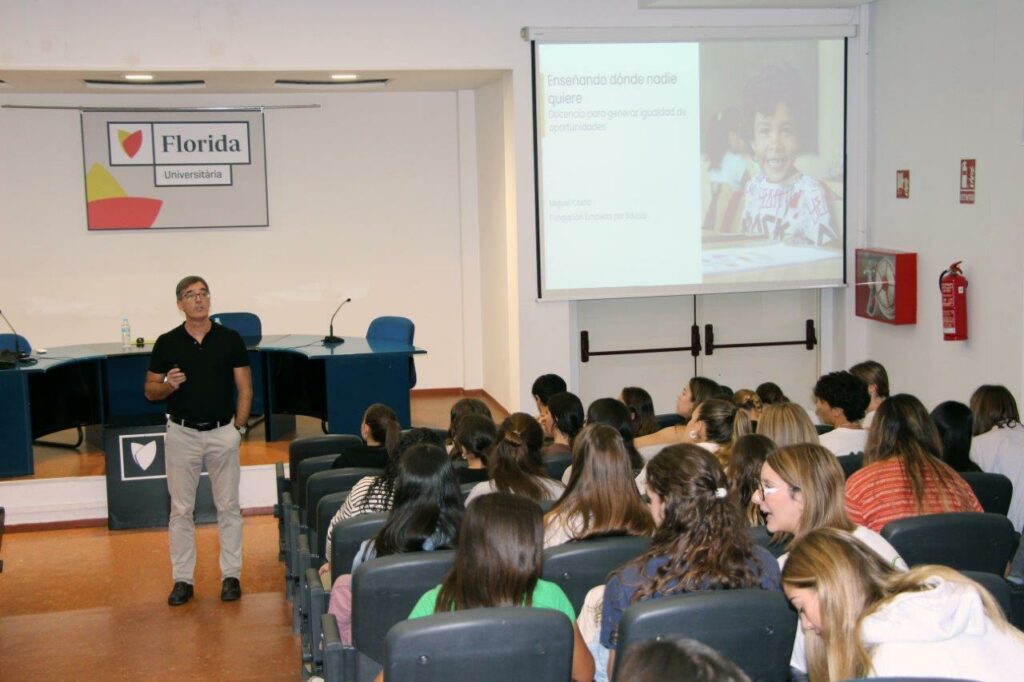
<point x="144" y="453"/>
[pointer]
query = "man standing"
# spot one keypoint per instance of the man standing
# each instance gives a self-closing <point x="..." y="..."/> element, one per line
<point x="197" y="369"/>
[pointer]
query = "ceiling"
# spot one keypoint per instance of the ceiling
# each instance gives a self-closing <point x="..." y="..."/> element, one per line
<point x="254" y="82"/>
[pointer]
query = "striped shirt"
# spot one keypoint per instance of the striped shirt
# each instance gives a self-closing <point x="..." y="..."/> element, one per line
<point x="360" y="501"/>
<point x="881" y="492"/>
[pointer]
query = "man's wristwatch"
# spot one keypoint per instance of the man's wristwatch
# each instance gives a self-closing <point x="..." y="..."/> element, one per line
<point x="243" y="429"/>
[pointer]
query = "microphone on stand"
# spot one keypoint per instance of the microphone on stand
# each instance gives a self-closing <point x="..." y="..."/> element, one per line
<point x="331" y="339"/>
<point x="18" y="352"/>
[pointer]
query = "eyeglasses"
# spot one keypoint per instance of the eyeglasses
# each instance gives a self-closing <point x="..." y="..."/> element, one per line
<point x="767" y="490"/>
<point x="193" y="295"/>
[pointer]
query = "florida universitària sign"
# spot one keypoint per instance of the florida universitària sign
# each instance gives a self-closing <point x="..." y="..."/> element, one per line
<point x="160" y="169"/>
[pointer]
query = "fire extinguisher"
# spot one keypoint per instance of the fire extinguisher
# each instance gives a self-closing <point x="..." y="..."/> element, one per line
<point x="953" y="286"/>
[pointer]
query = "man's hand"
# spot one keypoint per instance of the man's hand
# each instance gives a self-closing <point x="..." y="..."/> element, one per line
<point x="175" y="378"/>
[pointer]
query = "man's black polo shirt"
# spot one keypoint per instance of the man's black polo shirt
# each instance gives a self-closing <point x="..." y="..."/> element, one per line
<point x="208" y="393"/>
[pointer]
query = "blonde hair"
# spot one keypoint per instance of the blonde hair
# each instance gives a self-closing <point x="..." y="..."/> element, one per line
<point x="852" y="583"/>
<point x="787" y="424"/>
<point x="815" y="472"/>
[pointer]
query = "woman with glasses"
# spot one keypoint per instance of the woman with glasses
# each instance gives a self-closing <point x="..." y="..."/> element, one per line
<point x="801" y="490"/>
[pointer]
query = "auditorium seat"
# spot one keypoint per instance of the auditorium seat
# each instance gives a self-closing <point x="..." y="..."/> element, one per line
<point x="578" y="566"/>
<point x="992" y="490"/>
<point x="498" y="645"/>
<point x="851" y="463"/>
<point x="761" y="536"/>
<point x="753" y="628"/>
<point x="666" y="420"/>
<point x="557" y="464"/>
<point x="965" y="541"/>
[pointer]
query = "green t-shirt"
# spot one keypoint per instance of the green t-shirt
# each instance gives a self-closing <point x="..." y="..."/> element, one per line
<point x="546" y="595"/>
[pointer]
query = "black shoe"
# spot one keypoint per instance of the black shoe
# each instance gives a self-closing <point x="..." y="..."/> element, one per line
<point x="230" y="590"/>
<point x="181" y="593"/>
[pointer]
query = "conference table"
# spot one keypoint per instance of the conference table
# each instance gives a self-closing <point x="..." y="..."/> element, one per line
<point x="101" y="385"/>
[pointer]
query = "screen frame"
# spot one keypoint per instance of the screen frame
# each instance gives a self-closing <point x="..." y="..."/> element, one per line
<point x="569" y="36"/>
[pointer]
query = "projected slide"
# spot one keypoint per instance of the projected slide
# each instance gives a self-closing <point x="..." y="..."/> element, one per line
<point x="689" y="167"/>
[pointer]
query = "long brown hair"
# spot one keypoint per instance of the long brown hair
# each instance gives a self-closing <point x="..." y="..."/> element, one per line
<point x="723" y="423"/>
<point x="641" y="410"/>
<point x="515" y="464"/>
<point x="382" y="422"/>
<point x="602" y="493"/>
<point x="499" y="556"/>
<point x="462" y="408"/>
<point x="746" y="456"/>
<point x="852" y="582"/>
<point x="702" y="533"/>
<point x="992" y="406"/>
<point x="903" y="430"/>
<point x="816" y="474"/>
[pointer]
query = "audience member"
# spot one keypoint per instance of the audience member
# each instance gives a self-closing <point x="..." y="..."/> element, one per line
<point x="745" y="460"/>
<point x="840" y="400"/>
<point x="515" y="464"/>
<point x="786" y="424"/>
<point x="749" y="402"/>
<point x="474" y="439"/>
<point x="862" y="618"/>
<point x="426" y="516"/>
<point x="545" y="386"/>
<point x="641" y="410"/>
<point x="601" y="498"/>
<point x="701" y="542"/>
<point x="953" y="421"/>
<point x="678" y="658"/>
<point x="877" y="379"/>
<point x="616" y="415"/>
<point x="461" y="408"/>
<point x="373" y="494"/>
<point x="380" y="423"/>
<point x="561" y="420"/>
<point x="697" y="390"/>
<point x="903" y="474"/>
<point x="498" y="563"/>
<point x="998" y="445"/>
<point x="770" y="394"/>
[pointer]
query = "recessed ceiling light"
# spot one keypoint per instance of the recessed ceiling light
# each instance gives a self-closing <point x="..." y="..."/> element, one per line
<point x="138" y="77"/>
<point x="344" y="76"/>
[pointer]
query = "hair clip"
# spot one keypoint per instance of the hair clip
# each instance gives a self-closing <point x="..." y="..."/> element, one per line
<point x="720" y="492"/>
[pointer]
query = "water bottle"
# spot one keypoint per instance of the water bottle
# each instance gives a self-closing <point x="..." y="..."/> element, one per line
<point x="126" y="334"/>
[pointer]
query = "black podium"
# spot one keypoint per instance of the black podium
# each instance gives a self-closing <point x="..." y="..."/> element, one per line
<point x="137" y="494"/>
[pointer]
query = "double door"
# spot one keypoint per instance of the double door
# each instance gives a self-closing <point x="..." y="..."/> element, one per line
<point x="739" y="340"/>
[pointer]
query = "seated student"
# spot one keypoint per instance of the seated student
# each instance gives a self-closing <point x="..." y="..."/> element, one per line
<point x="379" y="424"/>
<point x="696" y="390"/>
<point x="713" y="426"/>
<point x="770" y="394"/>
<point x="515" y="464"/>
<point x="701" y="542"/>
<point x="840" y="400"/>
<point x="372" y="494"/>
<point x="641" y="410"/>
<point x="903" y="474"/>
<point x="998" y="445"/>
<point x="426" y="516"/>
<point x="600" y="498"/>
<point x="749" y="402"/>
<point x="874" y="375"/>
<point x="678" y="658"/>
<point x="561" y="420"/>
<point x="787" y="424"/>
<point x="954" y="423"/>
<point x="745" y="461"/>
<point x="801" y="489"/>
<point x="464" y="407"/>
<point x="613" y="413"/>
<point x="545" y="386"/>
<point x="863" y="618"/>
<point x="498" y="563"/>
<point x="474" y="439"/>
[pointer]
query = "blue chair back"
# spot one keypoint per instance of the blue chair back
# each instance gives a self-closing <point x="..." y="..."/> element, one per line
<point x="7" y="343"/>
<point x="246" y="324"/>
<point x="393" y="328"/>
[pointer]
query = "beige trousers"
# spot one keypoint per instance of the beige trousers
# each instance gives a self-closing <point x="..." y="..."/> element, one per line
<point x="186" y="452"/>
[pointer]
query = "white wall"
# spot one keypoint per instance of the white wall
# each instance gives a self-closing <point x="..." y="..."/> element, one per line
<point x="364" y="200"/>
<point x="947" y="84"/>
